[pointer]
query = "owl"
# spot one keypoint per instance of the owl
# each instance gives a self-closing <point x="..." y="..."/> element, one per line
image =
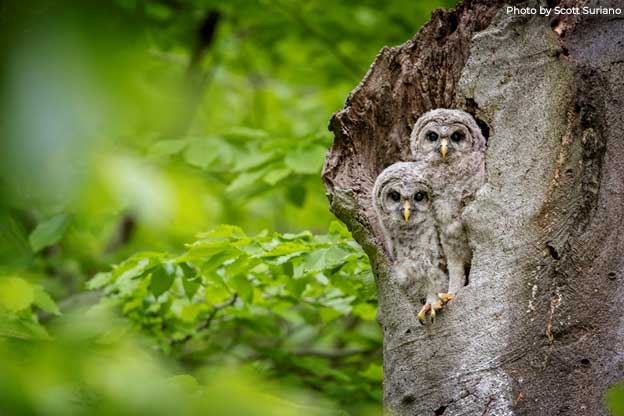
<point x="402" y="199"/>
<point x="449" y="147"/>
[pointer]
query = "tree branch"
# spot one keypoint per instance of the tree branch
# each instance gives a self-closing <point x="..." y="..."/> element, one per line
<point x="196" y="79"/>
<point x="206" y="324"/>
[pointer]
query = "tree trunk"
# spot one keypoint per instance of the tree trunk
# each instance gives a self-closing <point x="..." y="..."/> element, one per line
<point x="538" y="330"/>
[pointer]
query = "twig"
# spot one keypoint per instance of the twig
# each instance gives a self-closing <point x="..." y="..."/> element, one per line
<point x="125" y="231"/>
<point x="215" y="310"/>
<point x="204" y="325"/>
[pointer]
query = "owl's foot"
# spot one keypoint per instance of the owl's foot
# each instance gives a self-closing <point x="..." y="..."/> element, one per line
<point x="446" y="297"/>
<point x="422" y="314"/>
<point x="431" y="309"/>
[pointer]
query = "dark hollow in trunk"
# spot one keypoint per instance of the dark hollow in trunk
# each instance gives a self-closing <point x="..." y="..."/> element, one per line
<point x="539" y="330"/>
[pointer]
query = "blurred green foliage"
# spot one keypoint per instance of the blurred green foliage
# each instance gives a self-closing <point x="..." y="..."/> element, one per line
<point x="615" y="399"/>
<point x="299" y="307"/>
<point x="128" y="127"/>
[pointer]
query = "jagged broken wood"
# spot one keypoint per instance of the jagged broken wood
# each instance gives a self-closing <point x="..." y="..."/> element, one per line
<point x="539" y="330"/>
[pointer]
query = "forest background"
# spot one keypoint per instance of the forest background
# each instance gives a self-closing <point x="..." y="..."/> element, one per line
<point x="165" y="240"/>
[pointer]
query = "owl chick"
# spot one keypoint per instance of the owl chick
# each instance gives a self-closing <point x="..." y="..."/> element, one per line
<point x="403" y="204"/>
<point x="449" y="146"/>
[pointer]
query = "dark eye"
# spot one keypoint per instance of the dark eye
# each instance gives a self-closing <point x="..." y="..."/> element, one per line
<point x="394" y="195"/>
<point x="457" y="137"/>
<point x="432" y="136"/>
<point x="419" y="196"/>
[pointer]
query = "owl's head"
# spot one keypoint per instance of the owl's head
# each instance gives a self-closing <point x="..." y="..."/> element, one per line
<point x="401" y="195"/>
<point x="444" y="134"/>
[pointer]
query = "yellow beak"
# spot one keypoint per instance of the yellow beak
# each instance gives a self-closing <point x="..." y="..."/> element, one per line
<point x="406" y="210"/>
<point x="443" y="148"/>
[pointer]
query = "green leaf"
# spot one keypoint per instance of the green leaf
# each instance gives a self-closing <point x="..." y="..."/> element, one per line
<point x="276" y="175"/>
<point x="190" y="280"/>
<point x="296" y="286"/>
<point x="246" y="134"/>
<point x="13" y="327"/>
<point x="99" y="280"/>
<point x="314" y="260"/>
<point x="223" y="231"/>
<point x="245" y="180"/>
<point x="329" y="314"/>
<point x="285" y="248"/>
<point x="44" y="301"/>
<point x="242" y="286"/>
<point x="365" y="311"/>
<point x="341" y="304"/>
<point x="162" y="279"/>
<point x="251" y="247"/>
<point x="306" y="160"/>
<point x="135" y="265"/>
<point x="215" y="292"/>
<point x="190" y="312"/>
<point x="339" y="229"/>
<point x="205" y="249"/>
<point x="251" y="160"/>
<point x="336" y="256"/>
<point x="49" y="232"/>
<point x="304" y="235"/>
<point x="288" y="269"/>
<point x="133" y="304"/>
<point x="127" y="272"/>
<point x="242" y="265"/>
<point x="14" y="246"/>
<point x="202" y="152"/>
<point x="374" y="372"/>
<point x="168" y="147"/>
<point x="16" y="294"/>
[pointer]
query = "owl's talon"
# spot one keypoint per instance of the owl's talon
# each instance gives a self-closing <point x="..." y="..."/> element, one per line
<point x="422" y="314"/>
<point x="446" y="297"/>
<point x="431" y="309"/>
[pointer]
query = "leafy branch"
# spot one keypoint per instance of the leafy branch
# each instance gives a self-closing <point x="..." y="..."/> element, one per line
<point x="299" y="301"/>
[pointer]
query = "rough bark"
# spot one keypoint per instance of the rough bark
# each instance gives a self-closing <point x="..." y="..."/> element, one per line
<point x="538" y="330"/>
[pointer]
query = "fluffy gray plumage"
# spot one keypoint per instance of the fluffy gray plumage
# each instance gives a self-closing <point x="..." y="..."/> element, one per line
<point x="413" y="241"/>
<point x="449" y="149"/>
